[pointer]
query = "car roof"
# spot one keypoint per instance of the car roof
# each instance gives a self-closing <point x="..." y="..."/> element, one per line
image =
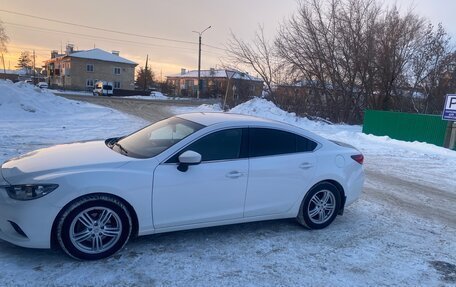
<point x="213" y="118"/>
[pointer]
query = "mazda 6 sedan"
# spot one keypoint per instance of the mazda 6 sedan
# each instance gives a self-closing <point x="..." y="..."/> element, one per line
<point x="189" y="171"/>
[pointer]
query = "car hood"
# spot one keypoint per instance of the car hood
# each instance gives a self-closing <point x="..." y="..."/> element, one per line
<point x="61" y="158"/>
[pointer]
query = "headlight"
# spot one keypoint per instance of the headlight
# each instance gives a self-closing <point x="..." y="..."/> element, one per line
<point x="29" y="191"/>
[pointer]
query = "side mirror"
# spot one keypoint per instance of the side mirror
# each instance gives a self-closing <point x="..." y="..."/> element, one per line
<point x="188" y="158"/>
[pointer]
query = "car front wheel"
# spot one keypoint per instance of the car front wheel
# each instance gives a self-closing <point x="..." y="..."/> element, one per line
<point x="94" y="227"/>
<point x="320" y="206"/>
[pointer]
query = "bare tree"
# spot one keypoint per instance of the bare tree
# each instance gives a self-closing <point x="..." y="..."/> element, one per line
<point x="3" y="39"/>
<point x="353" y="55"/>
<point x="398" y="40"/>
<point x="432" y="59"/>
<point x="332" y="46"/>
<point x="257" y="55"/>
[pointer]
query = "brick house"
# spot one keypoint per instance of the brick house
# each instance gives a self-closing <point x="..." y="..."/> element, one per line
<point x="216" y="83"/>
<point x="80" y="70"/>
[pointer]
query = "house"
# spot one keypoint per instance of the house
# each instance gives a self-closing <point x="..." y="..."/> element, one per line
<point x="234" y="85"/>
<point x="80" y="70"/>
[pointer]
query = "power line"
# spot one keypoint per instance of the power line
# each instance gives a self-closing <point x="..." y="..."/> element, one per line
<point x="97" y="28"/>
<point x="95" y="37"/>
<point x="214" y="47"/>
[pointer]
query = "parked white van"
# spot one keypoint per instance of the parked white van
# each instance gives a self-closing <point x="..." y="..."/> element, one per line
<point x="42" y="85"/>
<point x="103" y="88"/>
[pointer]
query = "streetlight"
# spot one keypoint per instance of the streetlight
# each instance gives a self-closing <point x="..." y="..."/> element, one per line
<point x="199" y="61"/>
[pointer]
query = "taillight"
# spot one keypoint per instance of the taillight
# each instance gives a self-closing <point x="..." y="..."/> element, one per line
<point x="359" y="158"/>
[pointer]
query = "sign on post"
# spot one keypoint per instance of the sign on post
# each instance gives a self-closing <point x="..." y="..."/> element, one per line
<point x="449" y="110"/>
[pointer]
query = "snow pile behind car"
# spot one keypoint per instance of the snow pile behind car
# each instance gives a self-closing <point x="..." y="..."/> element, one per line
<point x="31" y="118"/>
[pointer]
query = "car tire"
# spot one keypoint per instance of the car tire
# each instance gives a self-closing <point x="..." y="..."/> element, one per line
<point x="320" y="206"/>
<point x="94" y="227"/>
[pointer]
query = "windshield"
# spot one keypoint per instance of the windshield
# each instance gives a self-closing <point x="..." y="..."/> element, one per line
<point x="152" y="140"/>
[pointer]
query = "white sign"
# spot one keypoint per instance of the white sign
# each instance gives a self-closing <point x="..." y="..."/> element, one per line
<point x="449" y="111"/>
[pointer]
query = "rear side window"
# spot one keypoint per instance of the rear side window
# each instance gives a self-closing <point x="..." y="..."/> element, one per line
<point x="304" y="144"/>
<point x="221" y="145"/>
<point x="266" y="142"/>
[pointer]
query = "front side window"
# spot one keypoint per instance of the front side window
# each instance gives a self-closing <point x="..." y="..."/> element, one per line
<point x="267" y="142"/>
<point x="220" y="145"/>
<point x="154" y="139"/>
<point x="89" y="67"/>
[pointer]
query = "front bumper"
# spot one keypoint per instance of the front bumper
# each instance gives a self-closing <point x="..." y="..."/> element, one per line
<point x="34" y="218"/>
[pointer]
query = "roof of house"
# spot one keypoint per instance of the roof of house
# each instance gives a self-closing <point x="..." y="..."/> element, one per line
<point x="98" y="54"/>
<point x="217" y="74"/>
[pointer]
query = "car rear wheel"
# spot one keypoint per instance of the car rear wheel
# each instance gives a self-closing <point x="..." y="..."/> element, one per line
<point x="320" y="206"/>
<point x="94" y="227"/>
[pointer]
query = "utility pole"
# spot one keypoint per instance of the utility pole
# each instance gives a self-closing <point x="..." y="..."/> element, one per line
<point x="145" y="74"/>
<point x="199" y="60"/>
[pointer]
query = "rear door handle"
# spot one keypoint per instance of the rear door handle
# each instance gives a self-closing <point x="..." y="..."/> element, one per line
<point x="305" y="165"/>
<point x="234" y="174"/>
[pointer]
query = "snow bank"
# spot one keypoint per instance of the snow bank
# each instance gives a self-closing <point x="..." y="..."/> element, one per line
<point x="153" y="96"/>
<point x="31" y="118"/>
<point x="23" y="100"/>
<point x="158" y="96"/>
<point x="69" y="92"/>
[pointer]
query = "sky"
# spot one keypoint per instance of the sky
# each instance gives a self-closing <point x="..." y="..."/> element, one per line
<point x="171" y="19"/>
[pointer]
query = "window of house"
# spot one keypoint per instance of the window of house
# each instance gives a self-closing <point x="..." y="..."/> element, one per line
<point x="116" y="85"/>
<point x="116" y="71"/>
<point x="89" y="83"/>
<point x="267" y="142"/>
<point x="188" y="83"/>
<point x="89" y="67"/>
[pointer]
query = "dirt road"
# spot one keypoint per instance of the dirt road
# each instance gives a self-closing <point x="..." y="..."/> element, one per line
<point x="150" y="110"/>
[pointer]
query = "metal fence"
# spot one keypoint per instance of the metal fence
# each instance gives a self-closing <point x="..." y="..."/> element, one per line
<point x="405" y="126"/>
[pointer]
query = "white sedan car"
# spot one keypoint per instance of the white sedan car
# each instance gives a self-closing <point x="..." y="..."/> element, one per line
<point x="188" y="171"/>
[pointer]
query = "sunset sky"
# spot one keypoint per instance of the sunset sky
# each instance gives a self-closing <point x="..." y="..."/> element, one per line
<point x="172" y="19"/>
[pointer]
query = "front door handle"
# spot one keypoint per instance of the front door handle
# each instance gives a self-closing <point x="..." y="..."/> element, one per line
<point x="234" y="174"/>
<point x="305" y="165"/>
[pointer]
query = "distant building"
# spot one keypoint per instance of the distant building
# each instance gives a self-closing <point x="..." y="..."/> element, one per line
<point x="80" y="70"/>
<point x="216" y="83"/>
<point x="23" y="74"/>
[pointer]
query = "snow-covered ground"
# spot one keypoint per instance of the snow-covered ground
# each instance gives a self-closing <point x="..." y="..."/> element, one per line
<point x="153" y="96"/>
<point x="67" y="92"/>
<point x="158" y="96"/>
<point x="375" y="243"/>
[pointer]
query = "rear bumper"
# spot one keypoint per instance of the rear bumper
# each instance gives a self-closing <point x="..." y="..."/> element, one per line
<point x="354" y="187"/>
